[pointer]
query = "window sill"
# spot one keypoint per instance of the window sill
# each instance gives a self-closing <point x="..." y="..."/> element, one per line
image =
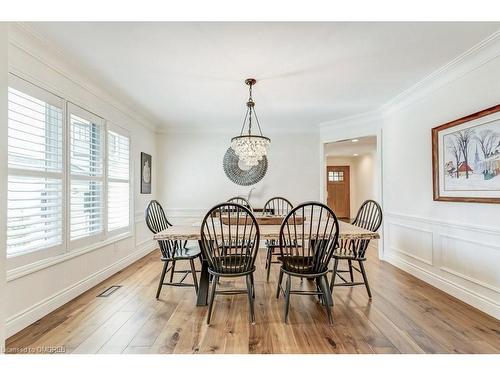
<point x="25" y="270"/>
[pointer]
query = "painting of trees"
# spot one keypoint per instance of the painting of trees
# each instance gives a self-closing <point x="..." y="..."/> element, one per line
<point x="463" y="139"/>
<point x="455" y="151"/>
<point x="466" y="158"/>
<point x="487" y="140"/>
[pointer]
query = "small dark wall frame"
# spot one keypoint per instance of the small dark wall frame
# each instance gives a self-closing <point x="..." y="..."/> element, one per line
<point x="450" y="163"/>
<point x="146" y="173"/>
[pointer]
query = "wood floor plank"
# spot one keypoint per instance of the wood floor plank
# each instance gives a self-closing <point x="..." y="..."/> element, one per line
<point x="406" y="315"/>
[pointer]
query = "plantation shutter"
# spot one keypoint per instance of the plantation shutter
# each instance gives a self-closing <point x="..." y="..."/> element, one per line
<point x="35" y="169"/>
<point x="118" y="181"/>
<point x="86" y="173"/>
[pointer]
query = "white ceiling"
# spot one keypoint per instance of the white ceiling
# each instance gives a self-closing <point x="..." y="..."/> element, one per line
<point x="348" y="148"/>
<point x="190" y="75"/>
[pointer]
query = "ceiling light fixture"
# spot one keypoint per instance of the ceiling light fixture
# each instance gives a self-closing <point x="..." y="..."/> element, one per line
<point x="250" y="148"/>
<point x="355" y="140"/>
<point x="355" y="154"/>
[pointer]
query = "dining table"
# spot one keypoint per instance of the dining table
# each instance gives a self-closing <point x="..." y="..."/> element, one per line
<point x="192" y="232"/>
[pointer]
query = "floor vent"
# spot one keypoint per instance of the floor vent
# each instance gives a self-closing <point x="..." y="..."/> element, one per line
<point x="109" y="291"/>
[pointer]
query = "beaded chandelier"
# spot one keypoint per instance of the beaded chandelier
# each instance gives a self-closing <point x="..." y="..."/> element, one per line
<point x="250" y="148"/>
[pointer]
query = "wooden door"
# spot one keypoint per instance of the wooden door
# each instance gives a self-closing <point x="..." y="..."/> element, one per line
<point x="338" y="189"/>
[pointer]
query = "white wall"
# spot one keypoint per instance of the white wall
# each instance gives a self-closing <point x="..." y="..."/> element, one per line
<point x="455" y="246"/>
<point x="193" y="180"/>
<point x="35" y="290"/>
<point x="363" y="178"/>
<point x="366" y="177"/>
<point x="3" y="176"/>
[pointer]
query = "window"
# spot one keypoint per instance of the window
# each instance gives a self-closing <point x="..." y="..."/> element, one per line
<point x="68" y="176"/>
<point x="86" y="173"/>
<point x="118" y="181"/>
<point x="35" y="169"/>
<point x="335" y="176"/>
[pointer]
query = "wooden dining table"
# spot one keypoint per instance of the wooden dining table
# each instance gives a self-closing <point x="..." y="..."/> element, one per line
<point x="192" y="232"/>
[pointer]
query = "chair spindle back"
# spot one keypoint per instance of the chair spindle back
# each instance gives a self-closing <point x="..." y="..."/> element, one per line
<point x="308" y="245"/>
<point x="156" y="222"/>
<point x="278" y="206"/>
<point x="230" y="248"/>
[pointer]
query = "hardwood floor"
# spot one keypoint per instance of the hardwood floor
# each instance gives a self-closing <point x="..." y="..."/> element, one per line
<point x="406" y="315"/>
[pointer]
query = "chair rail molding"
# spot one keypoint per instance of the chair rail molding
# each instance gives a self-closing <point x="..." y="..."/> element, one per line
<point x="445" y="255"/>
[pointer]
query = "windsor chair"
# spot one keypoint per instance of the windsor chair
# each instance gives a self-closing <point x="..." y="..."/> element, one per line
<point x="369" y="217"/>
<point x="230" y="250"/>
<point x="306" y="250"/>
<point x="275" y="206"/>
<point x="172" y="251"/>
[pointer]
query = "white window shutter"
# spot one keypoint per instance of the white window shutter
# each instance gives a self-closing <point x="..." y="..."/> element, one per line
<point x="118" y="181"/>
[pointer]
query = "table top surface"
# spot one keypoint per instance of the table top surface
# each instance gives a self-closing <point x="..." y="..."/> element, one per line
<point x="267" y="232"/>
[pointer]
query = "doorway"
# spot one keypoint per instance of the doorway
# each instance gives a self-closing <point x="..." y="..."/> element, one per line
<point x="338" y="190"/>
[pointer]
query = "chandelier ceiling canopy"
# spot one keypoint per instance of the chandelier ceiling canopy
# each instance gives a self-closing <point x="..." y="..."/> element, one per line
<point x="250" y="148"/>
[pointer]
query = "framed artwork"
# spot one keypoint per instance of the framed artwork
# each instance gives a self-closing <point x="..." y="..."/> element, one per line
<point x="145" y="173"/>
<point x="466" y="158"/>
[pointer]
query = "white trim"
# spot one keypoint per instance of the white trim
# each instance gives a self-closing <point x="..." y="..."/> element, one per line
<point x="472" y="59"/>
<point x="468" y="288"/>
<point x="451" y="224"/>
<point x="405" y="253"/>
<point x="467" y="277"/>
<point x="25" y="270"/>
<point x="480" y="54"/>
<point x="366" y="118"/>
<point x="468" y="296"/>
<point x="25" y="38"/>
<point x="26" y="317"/>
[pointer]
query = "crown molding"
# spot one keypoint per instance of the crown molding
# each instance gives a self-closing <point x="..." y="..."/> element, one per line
<point x="366" y="118"/>
<point x="34" y="44"/>
<point x="480" y="54"/>
<point x="231" y="132"/>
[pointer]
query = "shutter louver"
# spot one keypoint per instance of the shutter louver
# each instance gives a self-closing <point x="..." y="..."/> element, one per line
<point x="35" y="189"/>
<point x="86" y="170"/>
<point x="118" y="181"/>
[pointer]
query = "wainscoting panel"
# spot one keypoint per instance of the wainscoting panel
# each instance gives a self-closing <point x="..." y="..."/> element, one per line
<point x="410" y="242"/>
<point x="461" y="260"/>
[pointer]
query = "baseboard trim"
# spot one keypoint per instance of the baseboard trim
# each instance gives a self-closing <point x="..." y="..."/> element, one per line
<point x="472" y="298"/>
<point x="30" y="315"/>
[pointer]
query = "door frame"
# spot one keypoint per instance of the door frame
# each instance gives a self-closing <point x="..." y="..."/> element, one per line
<point x="341" y="134"/>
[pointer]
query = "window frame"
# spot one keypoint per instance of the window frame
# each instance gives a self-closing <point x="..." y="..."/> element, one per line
<point x="25" y="263"/>
<point x="32" y="256"/>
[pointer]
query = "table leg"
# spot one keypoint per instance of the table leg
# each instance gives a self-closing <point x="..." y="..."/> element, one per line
<point x="204" y="282"/>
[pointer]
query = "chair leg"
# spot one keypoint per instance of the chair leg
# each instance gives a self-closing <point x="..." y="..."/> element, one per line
<point x="365" y="279"/>
<point x="268" y="262"/>
<point x="250" y="298"/>
<point x="287" y="296"/>
<point x="212" y="297"/>
<point x="327" y="297"/>
<point x="334" y="274"/>
<point x="172" y="271"/>
<point x="253" y="285"/>
<point x="193" y="272"/>
<point x="280" y="279"/>
<point x="162" y="278"/>
<point x="350" y="270"/>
